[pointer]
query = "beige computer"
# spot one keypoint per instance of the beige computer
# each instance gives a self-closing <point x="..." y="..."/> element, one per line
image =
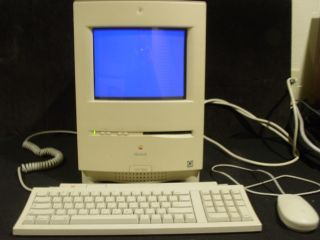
<point x="140" y="70"/>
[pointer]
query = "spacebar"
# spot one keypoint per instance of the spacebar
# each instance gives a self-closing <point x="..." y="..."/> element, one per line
<point x="108" y="219"/>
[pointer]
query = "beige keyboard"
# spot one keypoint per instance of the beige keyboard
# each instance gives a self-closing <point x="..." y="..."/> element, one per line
<point x="135" y="209"/>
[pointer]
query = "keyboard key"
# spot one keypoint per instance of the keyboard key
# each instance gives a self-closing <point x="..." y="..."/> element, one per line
<point x="42" y="194"/>
<point x="110" y="199"/>
<point x="216" y="197"/>
<point x="245" y="215"/>
<point x="131" y="199"/>
<point x="57" y="219"/>
<point x="237" y="197"/>
<point x="57" y="205"/>
<point x="68" y="205"/>
<point x="184" y="198"/>
<point x="156" y="193"/>
<point x="88" y="199"/>
<point x="74" y="194"/>
<point x="240" y="203"/>
<point x="218" y="217"/>
<point x="67" y="199"/>
<point x="234" y="217"/>
<point x="105" y="211"/>
<point x="78" y="199"/>
<point x="155" y="205"/>
<point x="99" y="199"/>
<point x="156" y="218"/>
<point x="208" y="204"/>
<point x="178" y="218"/>
<point x="120" y="199"/>
<point x="180" y="192"/>
<point x="64" y="194"/>
<point x="41" y="205"/>
<point x="122" y="205"/>
<point x="218" y="204"/>
<point x="127" y="211"/>
<point x="95" y="193"/>
<point x="83" y="212"/>
<point x="232" y="209"/>
<point x="41" y="211"/>
<point x="210" y="210"/>
<point x="94" y="212"/>
<point x="150" y="211"/>
<point x="162" y="199"/>
<point x="180" y="210"/>
<point x="90" y="205"/>
<point x="144" y="219"/>
<point x="133" y="205"/>
<point x="42" y="199"/>
<point x="139" y="211"/>
<point x="61" y="212"/>
<point x="181" y="204"/>
<point x="101" y="205"/>
<point x="141" y="199"/>
<point x="115" y="194"/>
<point x="227" y="197"/>
<point x="105" y="219"/>
<point x="72" y="212"/>
<point x="152" y="199"/>
<point x="29" y="220"/>
<point x="79" y="205"/>
<point x="111" y="205"/>
<point x="146" y="193"/>
<point x="161" y="211"/>
<point x="42" y="219"/>
<point x="144" y="205"/>
<point x="126" y="193"/>
<point x="167" y="218"/>
<point x="221" y="209"/>
<point x="206" y="197"/>
<point x="173" y="198"/>
<point x="189" y="218"/>
<point x="165" y="204"/>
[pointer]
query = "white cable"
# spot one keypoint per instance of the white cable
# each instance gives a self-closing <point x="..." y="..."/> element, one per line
<point x="57" y="156"/>
<point x="267" y="124"/>
<point x="272" y="179"/>
<point x="295" y="110"/>
<point x="304" y="136"/>
<point x="213" y="169"/>
<point x="21" y="180"/>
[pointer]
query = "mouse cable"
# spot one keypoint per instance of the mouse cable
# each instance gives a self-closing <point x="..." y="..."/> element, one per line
<point x="310" y="108"/>
<point x="275" y="128"/>
<point x="272" y="179"/>
<point x="304" y="136"/>
<point x="55" y="160"/>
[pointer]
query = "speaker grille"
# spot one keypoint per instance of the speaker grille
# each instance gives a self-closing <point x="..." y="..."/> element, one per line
<point x="141" y="177"/>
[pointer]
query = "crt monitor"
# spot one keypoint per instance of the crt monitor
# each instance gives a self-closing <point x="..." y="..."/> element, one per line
<point x="139" y="69"/>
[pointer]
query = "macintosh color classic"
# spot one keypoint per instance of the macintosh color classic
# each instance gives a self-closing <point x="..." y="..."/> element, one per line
<point x="140" y="69"/>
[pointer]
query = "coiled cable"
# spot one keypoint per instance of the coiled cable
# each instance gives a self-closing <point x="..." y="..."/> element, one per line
<point x="55" y="160"/>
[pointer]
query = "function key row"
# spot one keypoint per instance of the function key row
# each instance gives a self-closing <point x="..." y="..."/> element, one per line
<point x="53" y="193"/>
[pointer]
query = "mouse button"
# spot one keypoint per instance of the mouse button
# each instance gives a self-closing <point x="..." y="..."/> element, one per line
<point x="286" y="202"/>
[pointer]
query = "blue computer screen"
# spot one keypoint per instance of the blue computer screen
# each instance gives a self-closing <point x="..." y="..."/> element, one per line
<point x="139" y="63"/>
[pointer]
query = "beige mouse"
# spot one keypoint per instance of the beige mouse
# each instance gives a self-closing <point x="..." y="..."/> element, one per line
<point x="296" y="213"/>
